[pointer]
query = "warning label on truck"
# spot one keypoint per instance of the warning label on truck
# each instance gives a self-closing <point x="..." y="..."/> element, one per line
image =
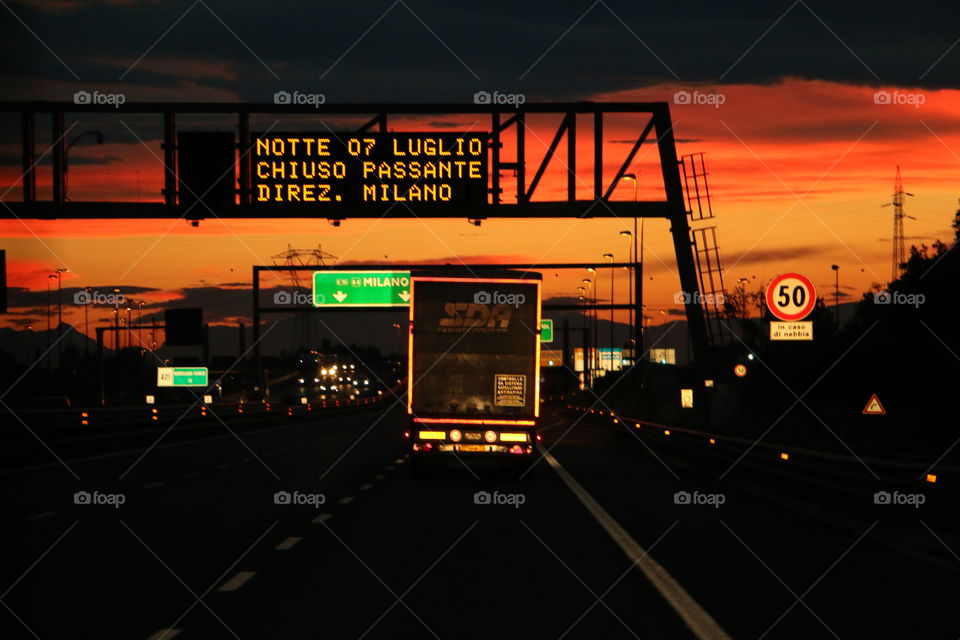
<point x="509" y="390"/>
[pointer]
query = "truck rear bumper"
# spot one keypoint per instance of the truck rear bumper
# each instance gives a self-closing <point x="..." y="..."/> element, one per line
<point x="472" y="449"/>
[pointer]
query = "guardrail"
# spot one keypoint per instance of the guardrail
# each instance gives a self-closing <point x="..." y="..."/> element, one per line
<point x="838" y="472"/>
<point x="94" y="418"/>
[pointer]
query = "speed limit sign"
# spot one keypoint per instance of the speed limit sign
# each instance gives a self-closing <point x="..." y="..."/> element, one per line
<point x="791" y="296"/>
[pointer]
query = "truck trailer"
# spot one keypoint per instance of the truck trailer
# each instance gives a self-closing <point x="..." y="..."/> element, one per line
<point x="474" y="366"/>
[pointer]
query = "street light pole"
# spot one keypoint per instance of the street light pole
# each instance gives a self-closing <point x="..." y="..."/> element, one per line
<point x="836" y="292"/>
<point x="583" y="311"/>
<point x="139" y="323"/>
<point x="593" y="320"/>
<point x="634" y="331"/>
<point x="610" y="257"/>
<point x="129" y="309"/>
<point x="630" y="256"/>
<point x="49" y="278"/>
<point x="60" y="271"/>
<point x="86" y="323"/>
<point x="116" y="322"/>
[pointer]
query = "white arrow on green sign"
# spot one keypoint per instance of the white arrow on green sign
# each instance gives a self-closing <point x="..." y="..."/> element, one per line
<point x="361" y="288"/>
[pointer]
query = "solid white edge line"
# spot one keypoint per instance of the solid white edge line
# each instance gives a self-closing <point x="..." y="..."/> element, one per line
<point x="237" y="581"/>
<point x="693" y="615"/>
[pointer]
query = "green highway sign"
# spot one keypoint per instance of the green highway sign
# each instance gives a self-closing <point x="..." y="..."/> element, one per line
<point x="546" y="330"/>
<point x="361" y="288"/>
<point x="182" y="376"/>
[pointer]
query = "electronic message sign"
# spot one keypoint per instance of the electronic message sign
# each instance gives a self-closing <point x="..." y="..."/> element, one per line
<point x="331" y="169"/>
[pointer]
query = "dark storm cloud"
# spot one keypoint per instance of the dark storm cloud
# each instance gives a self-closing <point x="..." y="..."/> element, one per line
<point x="499" y="45"/>
<point x="7" y="159"/>
<point x="22" y="297"/>
<point x="759" y="256"/>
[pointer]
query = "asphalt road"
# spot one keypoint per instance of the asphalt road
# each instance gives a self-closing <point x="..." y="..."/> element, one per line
<point x="592" y="546"/>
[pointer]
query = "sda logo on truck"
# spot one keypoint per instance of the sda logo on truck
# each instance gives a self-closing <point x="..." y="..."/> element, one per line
<point x="485" y="318"/>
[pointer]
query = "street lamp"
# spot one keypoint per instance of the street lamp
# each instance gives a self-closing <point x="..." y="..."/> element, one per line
<point x="129" y="309"/>
<point x="581" y="291"/>
<point x="635" y="178"/>
<point x="593" y="319"/>
<point x="59" y="271"/>
<point x="66" y="154"/>
<point x="630" y="256"/>
<point x="836" y="292"/>
<point x="49" y="278"/>
<point x="610" y="257"/>
<point x="116" y="321"/>
<point x="86" y="322"/>
<point x="139" y="304"/>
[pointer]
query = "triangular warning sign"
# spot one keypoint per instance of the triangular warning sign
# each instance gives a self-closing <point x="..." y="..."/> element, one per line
<point x="874" y="408"/>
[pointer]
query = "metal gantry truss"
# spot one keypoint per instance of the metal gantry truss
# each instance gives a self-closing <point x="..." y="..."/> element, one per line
<point x="506" y="124"/>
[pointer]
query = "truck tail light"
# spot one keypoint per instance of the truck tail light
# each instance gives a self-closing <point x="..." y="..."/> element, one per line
<point x="455" y="435"/>
<point x="490" y="436"/>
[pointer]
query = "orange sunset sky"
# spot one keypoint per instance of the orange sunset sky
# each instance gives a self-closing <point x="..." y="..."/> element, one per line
<point x="798" y="166"/>
<point x="798" y="173"/>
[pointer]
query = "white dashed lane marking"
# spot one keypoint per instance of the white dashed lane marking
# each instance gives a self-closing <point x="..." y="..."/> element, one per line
<point x="379" y="476"/>
<point x="237" y="581"/>
<point x="192" y="474"/>
<point x="323" y="517"/>
<point x="288" y="543"/>
<point x="366" y="487"/>
<point x="38" y="516"/>
<point x="346" y="500"/>
<point x="164" y="634"/>
<point x="153" y="485"/>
